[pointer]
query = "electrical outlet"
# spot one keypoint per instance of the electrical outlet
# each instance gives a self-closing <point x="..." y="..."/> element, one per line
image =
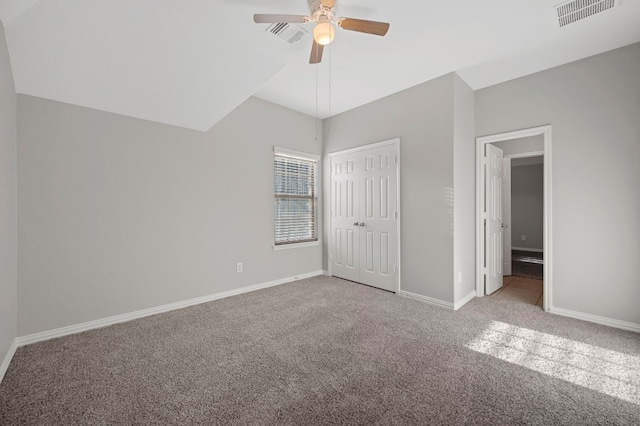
<point x="524" y="238"/>
<point x="239" y="267"/>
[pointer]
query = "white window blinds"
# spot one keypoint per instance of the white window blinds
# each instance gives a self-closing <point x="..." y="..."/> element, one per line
<point x="295" y="202"/>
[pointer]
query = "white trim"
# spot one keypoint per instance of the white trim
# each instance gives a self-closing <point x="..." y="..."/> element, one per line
<point x="547" y="246"/>
<point x="426" y="299"/>
<point x="90" y="325"/>
<point x="296" y="245"/>
<point x="481" y="141"/>
<point x="398" y="215"/>
<point x="516" y="134"/>
<point x="7" y="359"/>
<point x="459" y="304"/>
<point x="624" y="325"/>
<point x="393" y="142"/>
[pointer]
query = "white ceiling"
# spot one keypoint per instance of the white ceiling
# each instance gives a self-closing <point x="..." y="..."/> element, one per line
<point x="190" y="62"/>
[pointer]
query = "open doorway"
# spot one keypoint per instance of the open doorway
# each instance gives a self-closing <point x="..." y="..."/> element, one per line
<point x="523" y="214"/>
<point x="526" y="205"/>
<point x="514" y="241"/>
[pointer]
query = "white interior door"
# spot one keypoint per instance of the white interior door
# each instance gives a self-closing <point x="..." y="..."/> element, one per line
<point x="493" y="219"/>
<point x="364" y="246"/>
<point x="506" y="215"/>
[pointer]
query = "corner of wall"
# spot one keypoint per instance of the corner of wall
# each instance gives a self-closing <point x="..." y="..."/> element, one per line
<point x="463" y="191"/>
<point x="4" y="364"/>
<point x="8" y="209"/>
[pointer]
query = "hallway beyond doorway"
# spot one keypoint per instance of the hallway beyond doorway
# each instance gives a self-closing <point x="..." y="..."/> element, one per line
<point x="527" y="264"/>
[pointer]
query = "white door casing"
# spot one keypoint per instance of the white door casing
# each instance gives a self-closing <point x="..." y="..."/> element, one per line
<point x="481" y="141"/>
<point x="493" y="218"/>
<point x="506" y="215"/>
<point x="364" y="215"/>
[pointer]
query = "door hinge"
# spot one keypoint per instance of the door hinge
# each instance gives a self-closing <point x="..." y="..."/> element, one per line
<point x="395" y="215"/>
<point x="396" y="159"/>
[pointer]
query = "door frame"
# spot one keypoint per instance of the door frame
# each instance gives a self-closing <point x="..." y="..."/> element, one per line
<point x="396" y="143"/>
<point x="545" y="131"/>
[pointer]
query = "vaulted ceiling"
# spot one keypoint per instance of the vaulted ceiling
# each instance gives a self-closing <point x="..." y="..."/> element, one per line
<point x="190" y="62"/>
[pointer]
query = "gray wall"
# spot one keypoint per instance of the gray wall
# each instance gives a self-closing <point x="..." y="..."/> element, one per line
<point x="593" y="105"/>
<point x="527" y="206"/>
<point x="118" y="214"/>
<point x="8" y="203"/>
<point x="423" y="118"/>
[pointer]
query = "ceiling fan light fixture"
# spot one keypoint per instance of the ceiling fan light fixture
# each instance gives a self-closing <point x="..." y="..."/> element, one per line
<point x="324" y="33"/>
<point x="322" y="13"/>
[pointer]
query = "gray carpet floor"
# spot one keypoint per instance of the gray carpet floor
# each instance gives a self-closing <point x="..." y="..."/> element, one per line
<point x="327" y="351"/>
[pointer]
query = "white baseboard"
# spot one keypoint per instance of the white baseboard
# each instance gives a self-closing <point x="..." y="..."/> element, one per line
<point x="7" y="359"/>
<point x="90" y="325"/>
<point x="528" y="249"/>
<point x="459" y="304"/>
<point x="624" y="325"/>
<point x="426" y="299"/>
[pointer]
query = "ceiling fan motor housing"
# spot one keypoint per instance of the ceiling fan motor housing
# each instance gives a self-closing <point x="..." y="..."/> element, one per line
<point x="319" y="12"/>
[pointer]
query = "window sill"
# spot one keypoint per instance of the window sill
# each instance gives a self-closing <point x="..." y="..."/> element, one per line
<point x="296" y="245"/>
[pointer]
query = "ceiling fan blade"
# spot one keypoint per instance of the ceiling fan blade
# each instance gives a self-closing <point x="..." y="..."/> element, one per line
<point x="267" y="18"/>
<point x="316" y="53"/>
<point x="328" y="3"/>
<point x="364" y="26"/>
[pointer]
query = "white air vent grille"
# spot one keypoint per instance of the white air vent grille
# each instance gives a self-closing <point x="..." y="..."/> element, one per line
<point x="575" y="10"/>
<point x="287" y="32"/>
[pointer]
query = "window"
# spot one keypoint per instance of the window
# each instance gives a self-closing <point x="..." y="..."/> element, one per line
<point x="296" y="199"/>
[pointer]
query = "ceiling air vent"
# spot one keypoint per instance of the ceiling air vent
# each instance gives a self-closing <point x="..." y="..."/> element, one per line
<point x="576" y="10"/>
<point x="287" y="32"/>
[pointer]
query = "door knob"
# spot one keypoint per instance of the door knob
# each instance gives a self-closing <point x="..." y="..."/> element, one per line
<point x="355" y="223"/>
<point x="361" y="224"/>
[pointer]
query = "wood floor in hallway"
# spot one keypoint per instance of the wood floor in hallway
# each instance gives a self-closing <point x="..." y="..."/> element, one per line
<point x="525" y="290"/>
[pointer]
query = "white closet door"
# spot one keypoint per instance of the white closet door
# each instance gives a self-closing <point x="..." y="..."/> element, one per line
<point x="364" y="244"/>
<point x="378" y="237"/>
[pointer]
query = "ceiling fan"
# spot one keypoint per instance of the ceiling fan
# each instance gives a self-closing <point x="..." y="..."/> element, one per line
<point x="324" y="31"/>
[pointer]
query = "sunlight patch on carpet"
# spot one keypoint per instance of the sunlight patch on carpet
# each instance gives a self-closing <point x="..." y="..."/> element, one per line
<point x="609" y="372"/>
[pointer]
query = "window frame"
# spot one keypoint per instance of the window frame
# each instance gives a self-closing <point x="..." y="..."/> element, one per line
<point x="304" y="156"/>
